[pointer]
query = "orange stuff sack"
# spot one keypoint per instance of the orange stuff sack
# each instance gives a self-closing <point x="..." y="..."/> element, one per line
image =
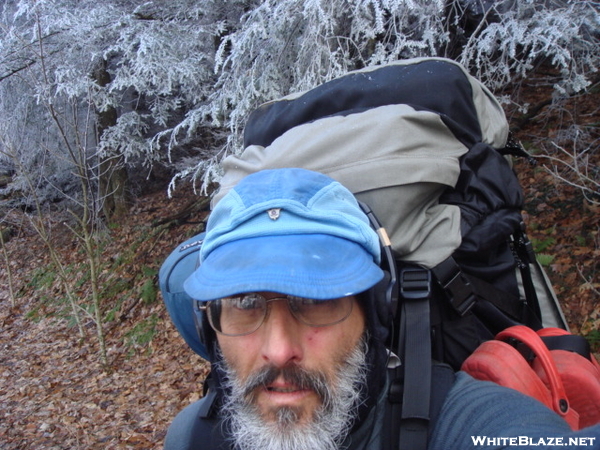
<point x="563" y="380"/>
<point x="580" y="377"/>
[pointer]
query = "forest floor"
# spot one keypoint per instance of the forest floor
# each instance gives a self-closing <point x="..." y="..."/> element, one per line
<point x="55" y="393"/>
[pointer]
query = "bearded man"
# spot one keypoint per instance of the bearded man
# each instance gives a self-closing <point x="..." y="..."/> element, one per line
<point x="287" y="294"/>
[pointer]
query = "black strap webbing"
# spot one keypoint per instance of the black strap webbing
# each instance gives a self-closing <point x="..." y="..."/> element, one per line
<point x="465" y="290"/>
<point x="414" y="422"/>
<point x="511" y="305"/>
<point x="411" y="409"/>
<point x="569" y="342"/>
<point x="524" y="252"/>
<point x="442" y="379"/>
<point x="209" y="405"/>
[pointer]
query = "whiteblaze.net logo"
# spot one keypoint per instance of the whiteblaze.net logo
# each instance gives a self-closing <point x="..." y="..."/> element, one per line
<point x="527" y="441"/>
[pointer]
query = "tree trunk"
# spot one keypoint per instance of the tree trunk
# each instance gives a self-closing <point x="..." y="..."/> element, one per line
<point x="113" y="188"/>
<point x="112" y="173"/>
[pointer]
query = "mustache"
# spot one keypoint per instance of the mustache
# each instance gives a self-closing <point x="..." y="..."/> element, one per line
<point x="298" y="376"/>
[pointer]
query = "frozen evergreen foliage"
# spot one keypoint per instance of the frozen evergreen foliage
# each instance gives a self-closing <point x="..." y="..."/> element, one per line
<point x="158" y="58"/>
<point x="565" y="32"/>
<point x="137" y="80"/>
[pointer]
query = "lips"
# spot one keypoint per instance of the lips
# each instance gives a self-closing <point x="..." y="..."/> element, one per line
<point x="281" y="390"/>
<point x="283" y="386"/>
<point x="281" y="383"/>
<point x="286" y="384"/>
<point x="282" y="394"/>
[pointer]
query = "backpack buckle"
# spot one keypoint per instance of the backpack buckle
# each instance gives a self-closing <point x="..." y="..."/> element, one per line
<point x="460" y="291"/>
<point x="415" y="283"/>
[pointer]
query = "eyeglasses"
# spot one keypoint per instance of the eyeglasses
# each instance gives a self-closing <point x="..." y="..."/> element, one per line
<point x="244" y="314"/>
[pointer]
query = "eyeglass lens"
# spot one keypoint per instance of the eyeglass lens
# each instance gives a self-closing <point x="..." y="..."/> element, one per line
<point x="244" y="314"/>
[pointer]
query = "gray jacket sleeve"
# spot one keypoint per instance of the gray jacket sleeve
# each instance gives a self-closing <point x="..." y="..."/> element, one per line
<point x="480" y="414"/>
<point x="180" y="432"/>
<point x="189" y="431"/>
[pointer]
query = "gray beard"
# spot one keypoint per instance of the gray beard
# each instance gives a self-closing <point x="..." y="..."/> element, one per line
<point x="331" y="421"/>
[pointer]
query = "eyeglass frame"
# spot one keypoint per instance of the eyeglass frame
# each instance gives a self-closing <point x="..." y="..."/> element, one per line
<point x="204" y="308"/>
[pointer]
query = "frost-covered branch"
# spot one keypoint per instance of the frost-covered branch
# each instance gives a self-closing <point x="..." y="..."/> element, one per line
<point x="574" y="168"/>
<point x="183" y="73"/>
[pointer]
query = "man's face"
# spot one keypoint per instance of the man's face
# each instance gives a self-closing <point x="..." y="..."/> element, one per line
<point x="289" y="369"/>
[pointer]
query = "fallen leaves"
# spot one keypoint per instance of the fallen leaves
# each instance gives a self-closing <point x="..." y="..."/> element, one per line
<point x="48" y="399"/>
<point x="55" y="394"/>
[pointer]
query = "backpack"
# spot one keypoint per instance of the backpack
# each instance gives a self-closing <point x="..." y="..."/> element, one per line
<point x="426" y="148"/>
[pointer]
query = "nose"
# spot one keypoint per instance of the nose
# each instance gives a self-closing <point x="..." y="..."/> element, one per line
<point x="282" y="344"/>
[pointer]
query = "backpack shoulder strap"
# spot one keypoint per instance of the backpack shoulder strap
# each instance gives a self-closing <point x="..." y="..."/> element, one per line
<point x="442" y="380"/>
<point x="418" y="386"/>
<point x="401" y="434"/>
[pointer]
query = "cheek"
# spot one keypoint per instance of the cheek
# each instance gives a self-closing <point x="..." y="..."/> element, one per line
<point x="323" y="339"/>
<point x="239" y="352"/>
<point x="335" y="340"/>
<point x="313" y="335"/>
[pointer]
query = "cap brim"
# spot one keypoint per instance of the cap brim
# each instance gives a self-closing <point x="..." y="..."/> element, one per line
<point x="313" y="266"/>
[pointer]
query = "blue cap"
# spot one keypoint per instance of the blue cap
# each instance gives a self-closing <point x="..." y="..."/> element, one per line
<point x="291" y="231"/>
